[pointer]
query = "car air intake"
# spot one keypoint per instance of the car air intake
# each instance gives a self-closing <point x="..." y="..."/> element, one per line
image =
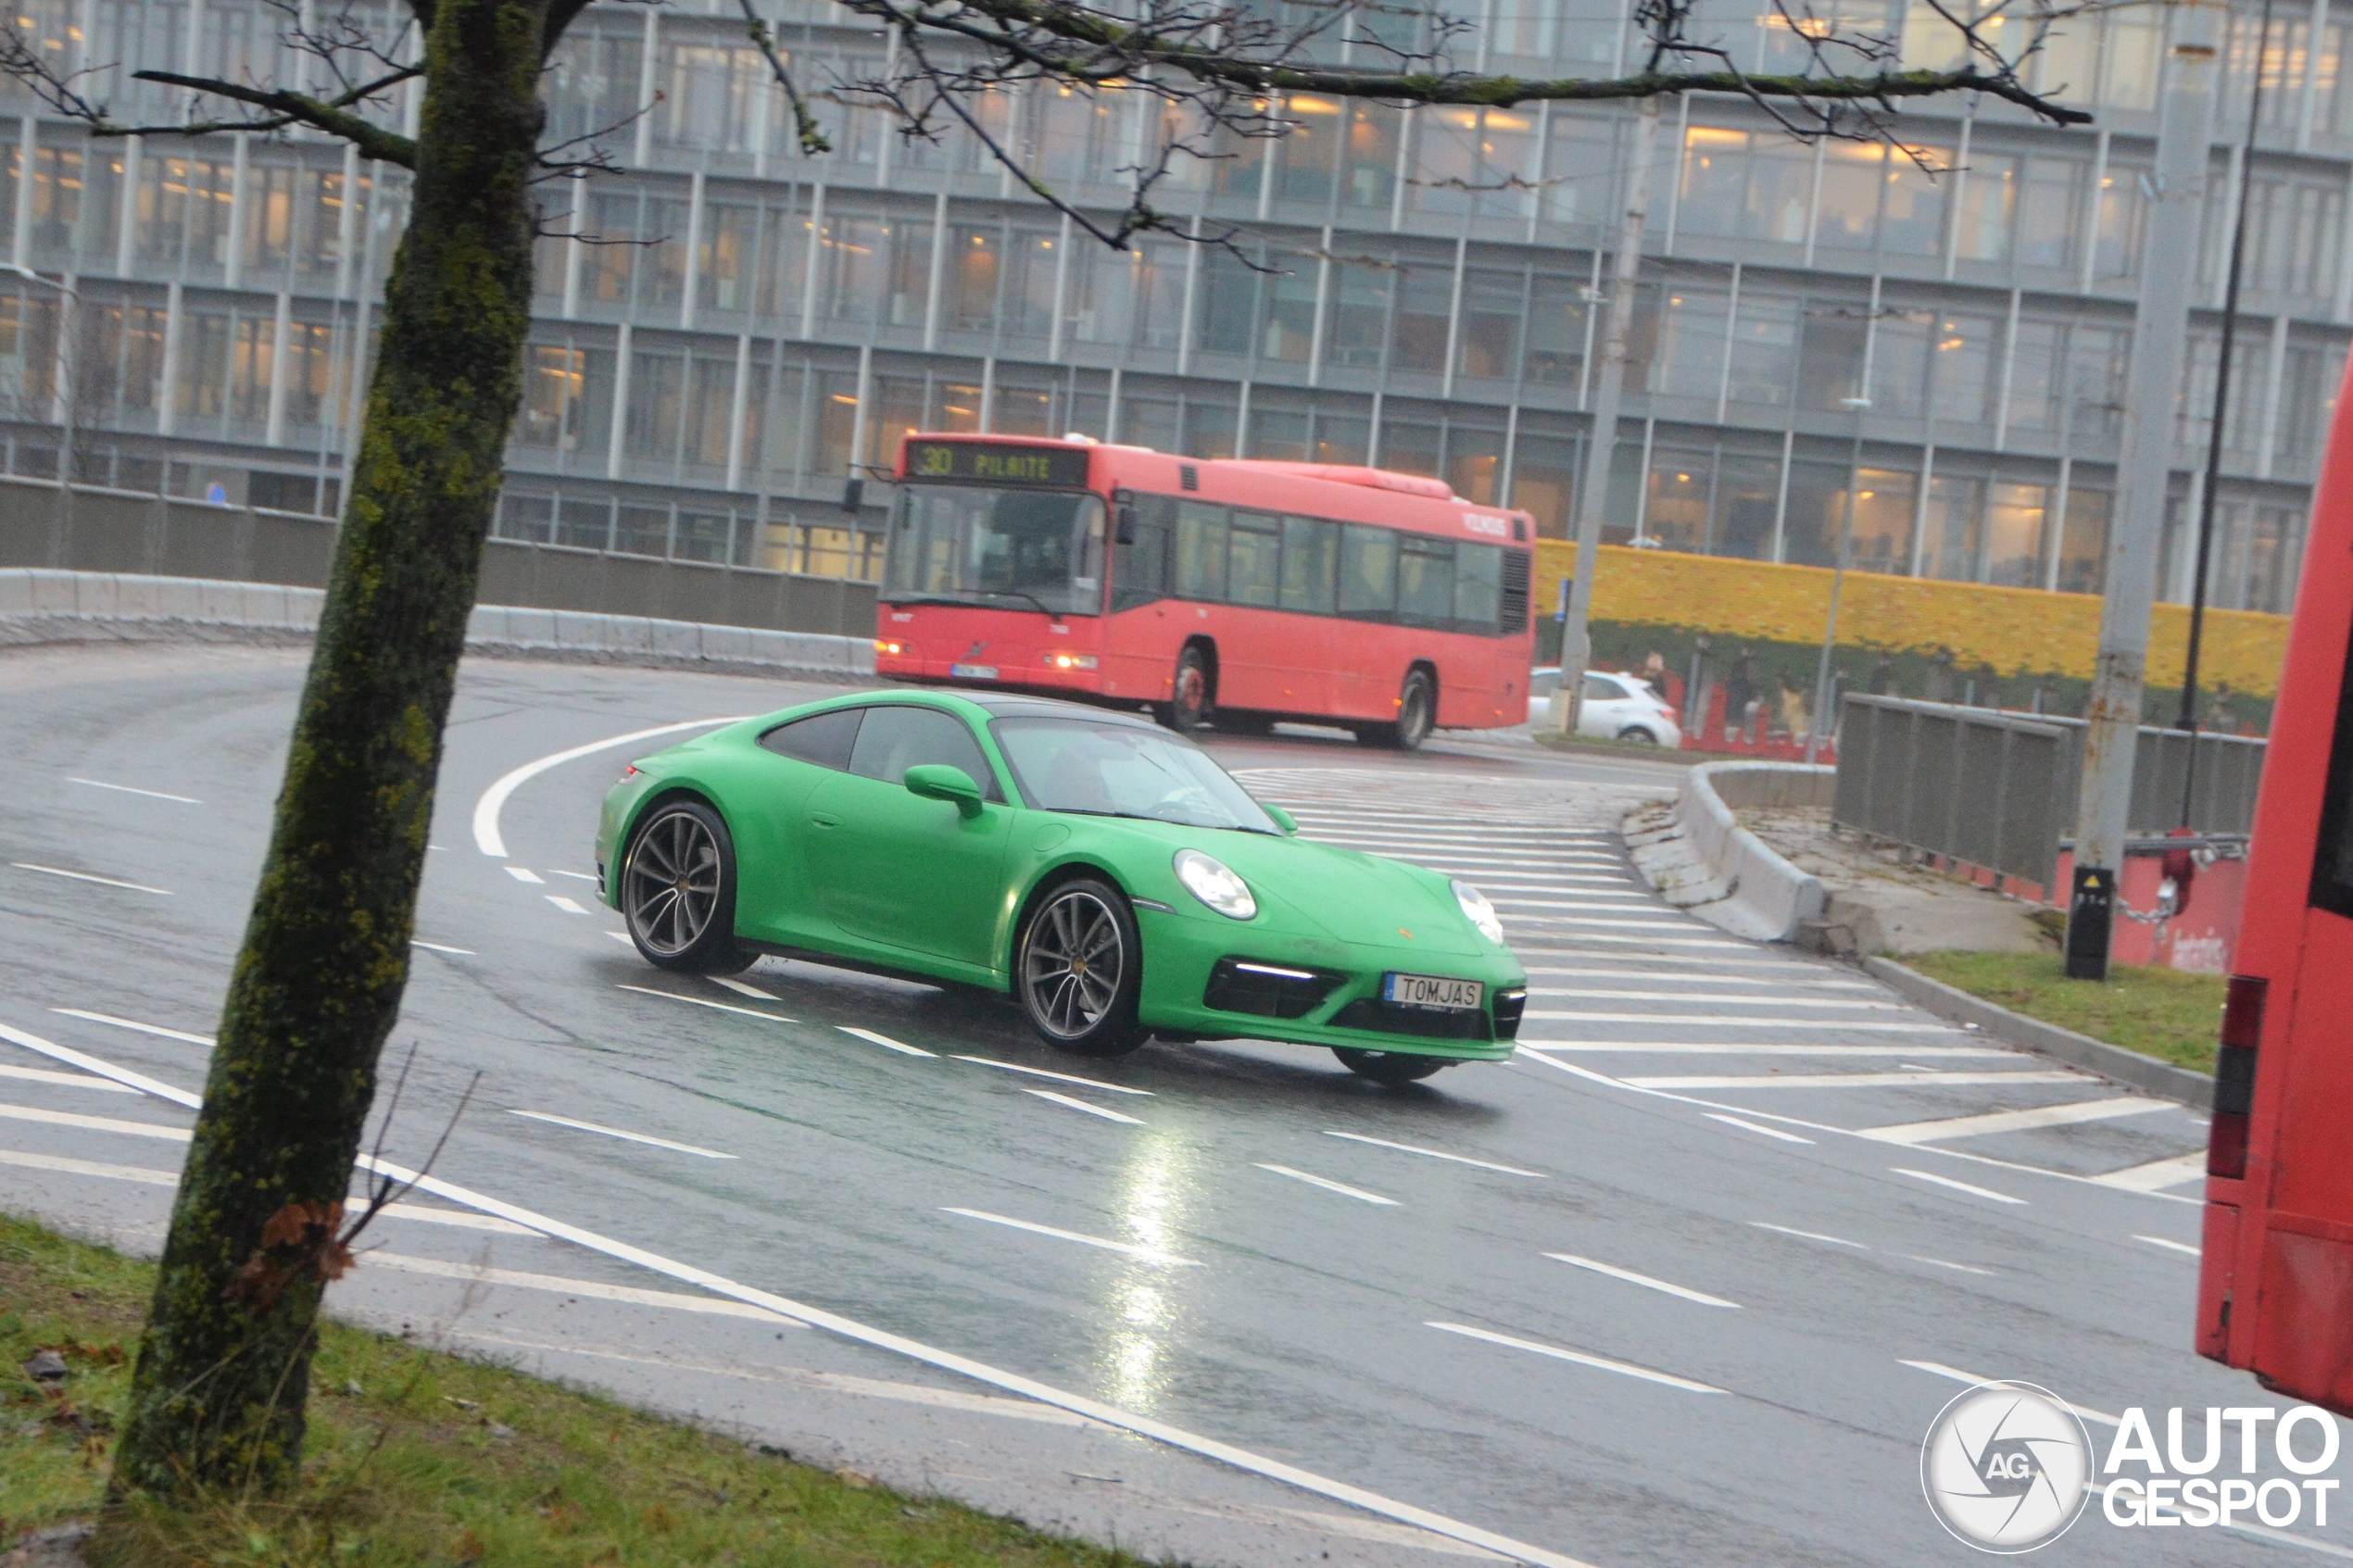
<point x="1266" y="990"/>
<point x="1509" y="1007"/>
<point x="1429" y="1023"/>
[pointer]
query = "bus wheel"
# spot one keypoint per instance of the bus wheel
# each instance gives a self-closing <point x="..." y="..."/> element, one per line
<point x="1417" y="712"/>
<point x="1188" y="694"/>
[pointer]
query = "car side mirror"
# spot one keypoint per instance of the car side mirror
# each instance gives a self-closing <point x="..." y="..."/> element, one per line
<point x="1283" y="819"/>
<point x="939" y="781"/>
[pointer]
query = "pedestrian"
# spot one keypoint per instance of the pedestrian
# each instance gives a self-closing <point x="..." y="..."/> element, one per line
<point x="1940" y="675"/>
<point x="1885" y="680"/>
<point x="1740" y="697"/>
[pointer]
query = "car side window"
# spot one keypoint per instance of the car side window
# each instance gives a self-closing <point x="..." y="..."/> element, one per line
<point x="1601" y="689"/>
<point x="897" y="737"/>
<point x="824" y="739"/>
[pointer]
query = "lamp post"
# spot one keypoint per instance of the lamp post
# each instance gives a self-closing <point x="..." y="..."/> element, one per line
<point x="1858" y="407"/>
<point x="68" y="375"/>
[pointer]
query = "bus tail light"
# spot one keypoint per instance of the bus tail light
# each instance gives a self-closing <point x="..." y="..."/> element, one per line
<point x="2235" y="1076"/>
<point x="1070" y="660"/>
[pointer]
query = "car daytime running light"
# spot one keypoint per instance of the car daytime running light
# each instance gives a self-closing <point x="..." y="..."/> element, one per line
<point x="1210" y="881"/>
<point x="1478" y="911"/>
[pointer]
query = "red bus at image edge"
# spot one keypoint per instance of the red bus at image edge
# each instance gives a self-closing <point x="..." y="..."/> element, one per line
<point x="1232" y="592"/>
<point x="2275" y="1292"/>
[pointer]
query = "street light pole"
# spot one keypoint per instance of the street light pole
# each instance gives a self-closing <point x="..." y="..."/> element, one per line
<point x="69" y="374"/>
<point x="2143" y="467"/>
<point x="1859" y="406"/>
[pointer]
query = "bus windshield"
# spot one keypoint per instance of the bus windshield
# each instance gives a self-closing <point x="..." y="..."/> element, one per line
<point x="1109" y="770"/>
<point x="1035" y="549"/>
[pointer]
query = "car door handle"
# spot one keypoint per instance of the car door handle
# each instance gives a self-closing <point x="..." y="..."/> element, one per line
<point x="824" y="819"/>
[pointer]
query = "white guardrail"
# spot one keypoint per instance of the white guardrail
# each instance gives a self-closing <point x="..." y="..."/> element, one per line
<point x="35" y="602"/>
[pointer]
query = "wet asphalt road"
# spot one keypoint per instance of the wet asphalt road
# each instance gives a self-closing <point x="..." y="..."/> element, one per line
<point x="1645" y="1293"/>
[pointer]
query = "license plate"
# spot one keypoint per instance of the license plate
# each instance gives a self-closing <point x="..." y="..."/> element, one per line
<point x="1431" y="991"/>
<point x="973" y="671"/>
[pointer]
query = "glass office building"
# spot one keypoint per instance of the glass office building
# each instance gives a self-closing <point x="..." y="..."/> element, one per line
<point x="725" y="329"/>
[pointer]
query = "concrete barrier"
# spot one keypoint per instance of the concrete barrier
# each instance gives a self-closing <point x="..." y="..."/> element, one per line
<point x="1699" y="857"/>
<point x="42" y="605"/>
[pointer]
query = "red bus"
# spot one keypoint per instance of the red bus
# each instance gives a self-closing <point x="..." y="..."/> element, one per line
<point x="1210" y="591"/>
<point x="2275" y="1292"/>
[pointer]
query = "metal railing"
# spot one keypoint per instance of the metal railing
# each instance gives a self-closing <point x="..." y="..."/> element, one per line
<point x="1999" y="790"/>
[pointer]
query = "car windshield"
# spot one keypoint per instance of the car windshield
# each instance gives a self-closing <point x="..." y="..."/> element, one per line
<point x="1026" y="550"/>
<point x="1124" y="771"/>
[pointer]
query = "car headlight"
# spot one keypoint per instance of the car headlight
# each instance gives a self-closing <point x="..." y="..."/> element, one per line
<point x="1213" y="882"/>
<point x="1478" y="911"/>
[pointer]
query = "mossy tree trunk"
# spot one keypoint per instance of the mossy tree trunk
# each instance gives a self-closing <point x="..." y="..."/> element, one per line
<point x="223" y="1374"/>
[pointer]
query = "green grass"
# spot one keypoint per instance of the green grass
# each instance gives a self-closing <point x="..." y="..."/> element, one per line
<point x="2161" y="1012"/>
<point x="420" y="1458"/>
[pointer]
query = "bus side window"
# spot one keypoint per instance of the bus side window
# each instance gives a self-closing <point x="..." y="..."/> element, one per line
<point x="1311" y="561"/>
<point x="2333" y="864"/>
<point x="1255" y="547"/>
<point x="1367" y="572"/>
<point x="1424" y="580"/>
<point x="1139" y="566"/>
<point x="1200" y="552"/>
<point x="1478" y="588"/>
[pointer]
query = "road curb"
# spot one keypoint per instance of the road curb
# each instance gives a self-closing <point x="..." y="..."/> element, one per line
<point x="1700" y="858"/>
<point x="2112" y="1062"/>
<point x="39" y="605"/>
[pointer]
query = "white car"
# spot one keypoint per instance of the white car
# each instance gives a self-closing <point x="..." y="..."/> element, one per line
<point x="1616" y="707"/>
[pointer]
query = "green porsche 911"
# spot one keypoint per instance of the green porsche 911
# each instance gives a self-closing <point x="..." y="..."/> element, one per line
<point x="1109" y="874"/>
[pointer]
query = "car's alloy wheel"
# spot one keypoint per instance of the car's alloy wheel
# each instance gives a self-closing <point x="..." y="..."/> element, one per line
<point x="1080" y="971"/>
<point x="678" y="891"/>
<point x="1389" y="1067"/>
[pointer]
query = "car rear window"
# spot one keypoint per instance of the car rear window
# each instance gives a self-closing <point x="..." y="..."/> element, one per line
<point x="824" y="739"/>
<point x="898" y="736"/>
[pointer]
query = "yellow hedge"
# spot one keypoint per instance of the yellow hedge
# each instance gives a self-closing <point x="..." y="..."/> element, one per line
<point x="2018" y="631"/>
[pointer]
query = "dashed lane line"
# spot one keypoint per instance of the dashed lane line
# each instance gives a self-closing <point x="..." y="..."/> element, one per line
<point x="1969" y="1187"/>
<point x="1058" y="1077"/>
<point x="1751" y="1047"/>
<point x="1561" y="1353"/>
<point x="94" y="1123"/>
<point x="85" y="876"/>
<point x="1847" y="1081"/>
<point x="1690" y="1020"/>
<point x="1143" y="1254"/>
<point x="439" y="948"/>
<point x="566" y="905"/>
<point x="155" y="1029"/>
<point x="1359" y="1194"/>
<point x="1756" y="1127"/>
<point x="146" y="1177"/>
<point x="590" y="1290"/>
<point x="2158" y="1174"/>
<point x="1437" y="1154"/>
<point x="728" y="982"/>
<point x="616" y="1133"/>
<point x="700" y="1002"/>
<point x="885" y="1041"/>
<point x="1991" y="1121"/>
<point x="130" y="789"/>
<point x="524" y="874"/>
<point x="2172" y="1245"/>
<point x="1614" y="1271"/>
<point x="1810" y="1236"/>
<point x="1714" y="1000"/>
<point x="1075" y="1104"/>
<point x="69" y="1079"/>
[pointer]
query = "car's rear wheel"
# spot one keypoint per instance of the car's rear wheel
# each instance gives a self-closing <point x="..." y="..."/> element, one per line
<point x="1080" y="970"/>
<point x="1637" y="735"/>
<point x="678" y="891"/>
<point x="1389" y="1067"/>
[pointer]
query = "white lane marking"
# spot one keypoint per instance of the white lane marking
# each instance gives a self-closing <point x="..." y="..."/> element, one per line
<point x="1755" y="1128"/>
<point x="1082" y="1105"/>
<point x="885" y="1041"/>
<point x="1580" y="1358"/>
<point x="1957" y="1186"/>
<point x="882" y="1339"/>
<point x="1436" y="1154"/>
<point x="595" y="1290"/>
<point x="437" y="948"/>
<point x="1844" y="1025"/>
<point x="2170" y="1246"/>
<point x="1713" y="999"/>
<point x="204" y="1040"/>
<point x="566" y="905"/>
<point x="617" y="1132"/>
<point x="1846" y="1080"/>
<point x="1751" y="1048"/>
<point x="1511" y="898"/>
<point x="1646" y="941"/>
<point x="622" y="938"/>
<point x="1702" y="1297"/>
<point x="1329" y="1186"/>
<point x="1810" y="1236"/>
<point x="2015" y="1120"/>
<point x="85" y="876"/>
<point x="1059" y="1077"/>
<point x="698" y="1001"/>
<point x="1965" y="1268"/>
<point x="743" y="989"/>
<point x="2157" y="1173"/>
<point x="71" y="1080"/>
<point x="1938" y="1368"/>
<point x="830" y="1382"/>
<point x="523" y="874"/>
<point x="147" y="1177"/>
<point x="1799" y="974"/>
<point x="493" y="799"/>
<point x="1595" y="921"/>
<point x="1143" y="1254"/>
<point x="576" y="876"/>
<point x="129" y="789"/>
<point x="94" y="1123"/>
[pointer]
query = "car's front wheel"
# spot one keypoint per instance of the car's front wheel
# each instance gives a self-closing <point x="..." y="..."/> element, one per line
<point x="1079" y="969"/>
<point x="678" y="891"/>
<point x="1389" y="1067"/>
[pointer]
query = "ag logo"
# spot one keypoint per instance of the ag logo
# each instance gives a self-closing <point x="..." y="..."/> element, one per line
<point x="2006" y="1466"/>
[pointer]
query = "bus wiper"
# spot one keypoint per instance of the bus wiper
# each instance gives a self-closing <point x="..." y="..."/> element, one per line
<point x="1017" y="594"/>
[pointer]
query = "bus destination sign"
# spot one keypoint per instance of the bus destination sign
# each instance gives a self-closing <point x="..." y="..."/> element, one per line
<point x="995" y="462"/>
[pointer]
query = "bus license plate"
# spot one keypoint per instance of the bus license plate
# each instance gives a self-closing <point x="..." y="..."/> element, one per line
<point x="1431" y="991"/>
<point x="973" y="671"/>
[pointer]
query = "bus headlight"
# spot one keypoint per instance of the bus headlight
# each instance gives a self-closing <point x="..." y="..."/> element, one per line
<point x="890" y="649"/>
<point x="1214" y="884"/>
<point x="1070" y="661"/>
<point x="1478" y="911"/>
